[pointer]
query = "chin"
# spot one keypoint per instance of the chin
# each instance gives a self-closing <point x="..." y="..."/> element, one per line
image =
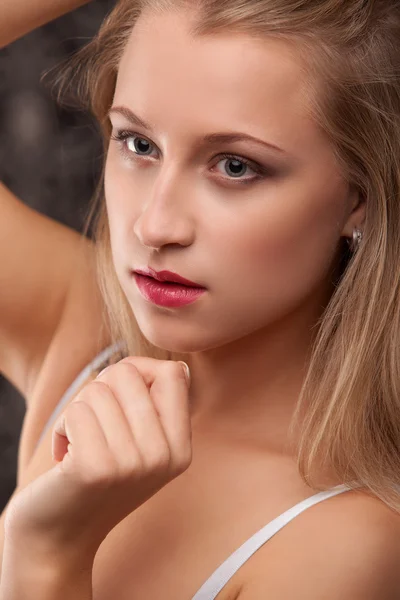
<point x="172" y="343"/>
<point x="178" y="339"/>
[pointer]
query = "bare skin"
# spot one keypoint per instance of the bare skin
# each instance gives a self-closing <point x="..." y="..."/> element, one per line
<point x="263" y="249"/>
<point x="264" y="252"/>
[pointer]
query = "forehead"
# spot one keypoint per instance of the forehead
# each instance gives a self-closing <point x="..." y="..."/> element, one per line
<point x="225" y="80"/>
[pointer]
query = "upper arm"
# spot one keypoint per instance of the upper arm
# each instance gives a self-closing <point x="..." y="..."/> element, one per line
<point x="41" y="258"/>
<point x="18" y="17"/>
<point x="353" y="563"/>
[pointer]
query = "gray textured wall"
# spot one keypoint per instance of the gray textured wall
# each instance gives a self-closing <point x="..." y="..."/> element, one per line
<point x="49" y="157"/>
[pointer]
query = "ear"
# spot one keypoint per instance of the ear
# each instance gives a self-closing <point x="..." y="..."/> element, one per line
<point x="356" y="210"/>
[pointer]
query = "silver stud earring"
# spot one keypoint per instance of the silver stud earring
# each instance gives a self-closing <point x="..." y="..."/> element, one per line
<point x="355" y="243"/>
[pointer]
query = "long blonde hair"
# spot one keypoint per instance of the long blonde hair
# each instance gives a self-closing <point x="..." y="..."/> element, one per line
<point x="348" y="413"/>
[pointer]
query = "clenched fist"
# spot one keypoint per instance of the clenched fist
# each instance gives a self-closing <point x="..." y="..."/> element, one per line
<point x="124" y="437"/>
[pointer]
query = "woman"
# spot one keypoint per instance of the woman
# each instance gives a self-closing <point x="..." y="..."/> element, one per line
<point x="252" y="149"/>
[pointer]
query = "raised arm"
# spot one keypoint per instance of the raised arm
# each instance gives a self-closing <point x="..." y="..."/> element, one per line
<point x="18" y="17"/>
<point x="41" y="258"/>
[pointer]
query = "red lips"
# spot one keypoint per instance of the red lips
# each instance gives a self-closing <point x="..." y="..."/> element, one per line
<point x="167" y="276"/>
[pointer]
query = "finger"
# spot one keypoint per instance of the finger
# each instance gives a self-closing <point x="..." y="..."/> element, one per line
<point x="133" y="396"/>
<point x="78" y="431"/>
<point x="170" y="395"/>
<point x="114" y="423"/>
<point x="175" y="422"/>
<point x="148" y="368"/>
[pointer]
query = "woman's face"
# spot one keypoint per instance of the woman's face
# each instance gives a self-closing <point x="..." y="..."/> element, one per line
<point x="259" y="228"/>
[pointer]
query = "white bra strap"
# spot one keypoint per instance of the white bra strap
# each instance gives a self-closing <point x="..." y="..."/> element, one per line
<point x="211" y="588"/>
<point x="78" y="382"/>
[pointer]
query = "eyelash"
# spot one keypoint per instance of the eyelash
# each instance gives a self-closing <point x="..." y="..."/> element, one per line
<point x="122" y="135"/>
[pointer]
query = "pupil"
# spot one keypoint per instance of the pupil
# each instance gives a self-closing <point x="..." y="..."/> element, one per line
<point x="235" y="167"/>
<point x="141" y="145"/>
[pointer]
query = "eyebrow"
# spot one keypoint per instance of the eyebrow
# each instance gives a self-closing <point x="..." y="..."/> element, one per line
<point x="212" y="138"/>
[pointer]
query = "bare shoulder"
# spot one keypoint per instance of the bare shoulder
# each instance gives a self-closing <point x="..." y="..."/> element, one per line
<point x="344" y="548"/>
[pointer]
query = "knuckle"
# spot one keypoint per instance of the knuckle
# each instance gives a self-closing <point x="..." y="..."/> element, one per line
<point x="171" y="369"/>
<point x="160" y="461"/>
<point x="183" y="461"/>
<point x="75" y="408"/>
<point x="127" y="364"/>
<point x="98" y="392"/>
<point x="171" y="366"/>
<point x="131" y="371"/>
<point x="94" y="389"/>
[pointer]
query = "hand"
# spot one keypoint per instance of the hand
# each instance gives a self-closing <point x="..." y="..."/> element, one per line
<point x="125" y="436"/>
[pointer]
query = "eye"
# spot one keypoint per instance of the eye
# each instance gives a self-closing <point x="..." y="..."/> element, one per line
<point x="133" y="144"/>
<point x="236" y="167"/>
<point x="139" y="145"/>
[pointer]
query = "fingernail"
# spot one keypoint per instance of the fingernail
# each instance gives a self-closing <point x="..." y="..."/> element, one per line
<point x="186" y="371"/>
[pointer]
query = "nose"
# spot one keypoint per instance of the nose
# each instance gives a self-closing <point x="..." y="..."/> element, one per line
<point x="164" y="216"/>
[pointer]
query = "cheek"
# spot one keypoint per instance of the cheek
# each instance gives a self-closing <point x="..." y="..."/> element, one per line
<point x="280" y="254"/>
<point x="119" y="197"/>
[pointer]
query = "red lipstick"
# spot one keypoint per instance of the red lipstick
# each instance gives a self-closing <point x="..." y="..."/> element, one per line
<point x="167" y="276"/>
<point x="166" y="288"/>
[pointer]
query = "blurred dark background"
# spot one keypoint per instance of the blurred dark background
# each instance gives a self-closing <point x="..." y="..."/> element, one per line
<point x="50" y="157"/>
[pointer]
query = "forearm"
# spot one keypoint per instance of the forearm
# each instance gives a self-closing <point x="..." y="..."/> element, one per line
<point x="18" y="17"/>
<point x="28" y="575"/>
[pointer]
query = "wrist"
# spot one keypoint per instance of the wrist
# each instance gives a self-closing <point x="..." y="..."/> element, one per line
<point x="44" y="548"/>
<point x="33" y="572"/>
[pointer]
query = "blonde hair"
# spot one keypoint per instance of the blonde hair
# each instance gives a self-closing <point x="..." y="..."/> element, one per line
<point x="348" y="413"/>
